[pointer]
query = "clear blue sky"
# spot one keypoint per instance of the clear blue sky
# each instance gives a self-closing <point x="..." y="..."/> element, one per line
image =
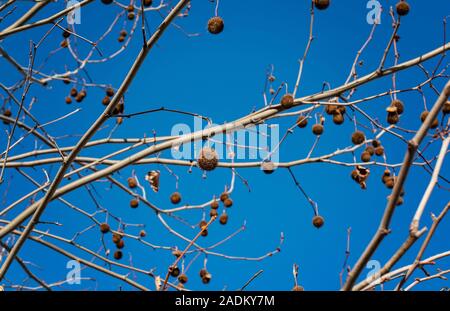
<point x="222" y="77"/>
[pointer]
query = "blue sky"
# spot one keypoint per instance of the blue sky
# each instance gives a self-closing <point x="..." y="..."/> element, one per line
<point x="222" y="77"/>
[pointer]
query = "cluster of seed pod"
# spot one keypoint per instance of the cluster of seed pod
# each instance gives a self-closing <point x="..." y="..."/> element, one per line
<point x="122" y="35"/>
<point x="117" y="239"/>
<point x="130" y="10"/>
<point x="395" y="109"/>
<point x="389" y="181"/>
<point x="78" y="95"/>
<point x="7" y="113"/>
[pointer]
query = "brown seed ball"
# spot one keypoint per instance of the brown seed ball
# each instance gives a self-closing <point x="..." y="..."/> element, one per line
<point x="223" y="219"/>
<point x="203" y="225"/>
<point x="287" y="101"/>
<point x="107" y="1"/>
<point x="208" y="159"/>
<point x="370" y="150"/>
<point x="83" y="93"/>
<point x="203" y="272"/>
<point x="376" y="143"/>
<point x="390" y="182"/>
<point x="175" y="198"/>
<point x="400" y="201"/>
<point x="183" y="278"/>
<point x="130" y="8"/>
<point x="302" y="121"/>
<point x="148" y="3"/>
<point x="132" y="183"/>
<point x="134" y="203"/>
<point x="318" y="221"/>
<point x="215" y="205"/>
<point x="321" y="4"/>
<point x="331" y="109"/>
<point x="224" y="196"/>
<point x="79" y="98"/>
<point x="177" y="253"/>
<point x="365" y="156"/>
<point x="131" y="16"/>
<point x="206" y="278"/>
<point x="66" y="33"/>
<point x="424" y="116"/>
<point x="228" y="202"/>
<point x="68" y="100"/>
<point x="120" y="244"/>
<point x="104" y="228"/>
<point x="317" y="129"/>
<point x="106" y="100"/>
<point x="358" y="138"/>
<point x="7" y="113"/>
<point x="354" y="174"/>
<point x="109" y="92"/>
<point x="268" y="167"/>
<point x="123" y="33"/>
<point x="379" y="151"/>
<point x="174" y="271"/>
<point x="116" y="238"/>
<point x="121" y="39"/>
<point x="402" y="8"/>
<point x="392" y="118"/>
<point x="338" y="118"/>
<point x="73" y="92"/>
<point x="213" y="213"/>
<point x="142" y="233"/>
<point x="215" y="25"/>
<point x="446" y="108"/>
<point x="118" y="255"/>
<point x="64" y="44"/>
<point x="399" y="105"/>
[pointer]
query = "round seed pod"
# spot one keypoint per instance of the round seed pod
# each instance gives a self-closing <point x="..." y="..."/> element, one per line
<point x="130" y="8"/>
<point x="203" y="272"/>
<point x="446" y="108"/>
<point x="119" y="109"/>
<point x="123" y="33"/>
<point x="215" y="205"/>
<point x="386" y="176"/>
<point x="206" y="278"/>
<point x="118" y="255"/>
<point x="202" y="225"/>
<point x="358" y="138"/>
<point x="177" y="253"/>
<point x="121" y="38"/>
<point x="223" y="219"/>
<point x="208" y="159"/>
<point x="66" y="33"/>
<point x="134" y="203"/>
<point x="365" y="156"/>
<point x="399" y="105"/>
<point x="174" y="271"/>
<point x="318" y="221"/>
<point x="376" y="143"/>
<point x="175" y="198"/>
<point x="79" y="98"/>
<point x="7" y="113"/>
<point x="390" y="182"/>
<point x="148" y="3"/>
<point x="354" y="175"/>
<point x="298" y="288"/>
<point x="402" y="8"/>
<point x="331" y="109"/>
<point x="183" y="279"/>
<point x="338" y="118"/>
<point x="317" y="129"/>
<point x="132" y="183"/>
<point x="104" y="228"/>
<point x="120" y="244"/>
<point x="370" y="150"/>
<point x="287" y="101"/>
<point x="110" y="91"/>
<point x="215" y="25"/>
<point x="224" y="196"/>
<point x="228" y="202"/>
<point x="107" y="1"/>
<point x="379" y="151"/>
<point x="424" y="116"/>
<point x="302" y="121"/>
<point x="131" y="16"/>
<point x="392" y="118"/>
<point x="116" y="238"/>
<point x="400" y="201"/>
<point x="64" y="44"/>
<point x="142" y="233"/>
<point x="73" y="92"/>
<point x="106" y="100"/>
<point x="68" y="100"/>
<point x="213" y="213"/>
<point x="321" y="4"/>
<point x="267" y="167"/>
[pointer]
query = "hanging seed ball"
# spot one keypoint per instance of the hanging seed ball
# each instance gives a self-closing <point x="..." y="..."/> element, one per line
<point x="68" y="100"/>
<point x="446" y="108"/>
<point x="393" y="118"/>
<point x="399" y="105"/>
<point x="142" y="233"/>
<point x="119" y="109"/>
<point x="7" y="113"/>
<point x="206" y="278"/>
<point x="121" y="39"/>
<point x="400" y="201"/>
<point x="66" y="33"/>
<point x="131" y="16"/>
<point x="175" y="198"/>
<point x="331" y="109"/>
<point x="202" y="225"/>
<point x="116" y="238"/>
<point x="376" y="143"/>
<point x="177" y="253"/>
<point x="183" y="278"/>
<point x="64" y="44"/>
<point x="203" y="272"/>
<point x="130" y="8"/>
<point x="134" y="203"/>
<point x="213" y="213"/>
<point x="386" y="176"/>
<point x="118" y="255"/>
<point x="424" y="116"/>
<point x="302" y="121"/>
<point x="215" y="205"/>
<point x="365" y="156"/>
<point x="318" y="221"/>
<point x="148" y="3"/>
<point x="354" y="174"/>
<point x="66" y="80"/>
<point x="104" y="228"/>
<point x="390" y="181"/>
<point x="268" y="167"/>
<point x="83" y="93"/>
<point x="120" y="244"/>
<point x="321" y="4"/>
<point x="223" y="219"/>
<point x="215" y="25"/>
<point x="338" y="118"/>
<point x="109" y="92"/>
<point x="402" y="8"/>
<point x="358" y="138"/>
<point x="106" y="100"/>
<point x="287" y="101"/>
<point x="298" y="288"/>
<point x="132" y="183"/>
<point x="207" y="159"/>
<point x="379" y="151"/>
<point x="107" y="1"/>
<point x="174" y="271"/>
<point x="224" y="196"/>
<point x="317" y="129"/>
<point x="79" y="98"/>
<point x="228" y="202"/>
<point x="370" y="150"/>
